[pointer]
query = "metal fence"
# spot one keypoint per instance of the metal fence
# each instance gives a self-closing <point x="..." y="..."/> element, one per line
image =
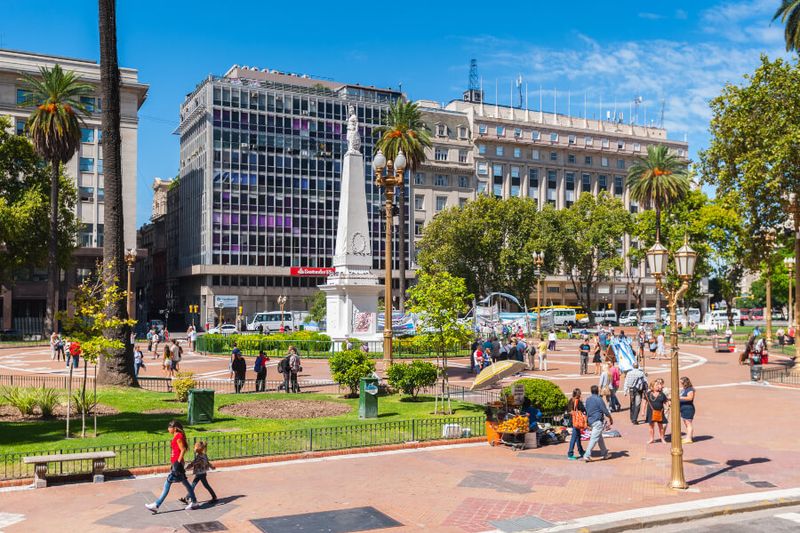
<point x="240" y="445"/>
<point x="42" y="380"/>
<point x="780" y="375"/>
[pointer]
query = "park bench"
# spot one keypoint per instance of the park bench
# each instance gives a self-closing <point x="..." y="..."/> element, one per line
<point x="40" y="464"/>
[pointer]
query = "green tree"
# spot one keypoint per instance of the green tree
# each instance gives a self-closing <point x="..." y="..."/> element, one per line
<point x="116" y="365"/>
<point x="25" y="202"/>
<point x="658" y="180"/>
<point x="54" y="127"/>
<point x="404" y="130"/>
<point x="789" y="13"/>
<point x="592" y="230"/>
<point x="439" y="298"/>
<point x="317" y="307"/>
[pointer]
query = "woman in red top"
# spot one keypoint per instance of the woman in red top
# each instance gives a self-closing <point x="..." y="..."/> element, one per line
<point x="177" y="473"/>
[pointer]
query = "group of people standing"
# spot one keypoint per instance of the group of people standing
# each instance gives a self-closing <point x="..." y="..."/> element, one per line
<point x="62" y="348"/>
<point x="513" y="345"/>
<point x="290" y="366"/>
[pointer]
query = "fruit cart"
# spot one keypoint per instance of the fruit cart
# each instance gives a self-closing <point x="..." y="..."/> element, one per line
<point x="512" y="432"/>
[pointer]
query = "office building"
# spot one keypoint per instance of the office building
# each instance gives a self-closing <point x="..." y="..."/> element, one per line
<point x="23" y="304"/>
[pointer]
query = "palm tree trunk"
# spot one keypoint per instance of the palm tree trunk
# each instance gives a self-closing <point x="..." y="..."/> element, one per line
<point x="116" y="367"/>
<point x="52" y="253"/>
<point x="401" y="238"/>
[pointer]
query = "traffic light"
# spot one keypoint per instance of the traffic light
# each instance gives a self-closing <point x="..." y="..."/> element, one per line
<point x="609" y="306"/>
<point x="240" y="309"/>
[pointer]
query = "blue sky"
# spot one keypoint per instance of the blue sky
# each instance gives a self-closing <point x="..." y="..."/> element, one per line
<point x="681" y="52"/>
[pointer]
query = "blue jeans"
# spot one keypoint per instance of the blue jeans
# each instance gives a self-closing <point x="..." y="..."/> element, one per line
<point x="168" y="483"/>
<point x="595" y="439"/>
<point x="573" y="440"/>
<point x="614" y="401"/>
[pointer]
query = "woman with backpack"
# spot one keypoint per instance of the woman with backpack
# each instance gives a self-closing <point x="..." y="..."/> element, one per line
<point x="294" y="368"/>
<point x="577" y="413"/>
<point x="260" y="368"/>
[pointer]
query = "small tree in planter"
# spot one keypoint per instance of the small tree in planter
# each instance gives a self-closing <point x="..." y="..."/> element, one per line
<point x="411" y="378"/>
<point x="349" y="366"/>
<point x="439" y="299"/>
<point x="94" y="302"/>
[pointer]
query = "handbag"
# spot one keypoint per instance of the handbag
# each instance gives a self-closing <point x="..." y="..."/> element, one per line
<point x="579" y="420"/>
<point x="656" y="415"/>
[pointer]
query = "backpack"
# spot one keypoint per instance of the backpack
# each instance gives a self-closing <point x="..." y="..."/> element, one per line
<point x="640" y="385"/>
<point x="259" y="364"/>
<point x="579" y="420"/>
<point x="283" y="365"/>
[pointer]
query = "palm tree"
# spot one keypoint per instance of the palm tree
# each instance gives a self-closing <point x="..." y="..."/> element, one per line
<point x="116" y="367"/>
<point x="658" y="180"/>
<point x="404" y="130"/>
<point x="789" y="13"/>
<point x="54" y="127"/>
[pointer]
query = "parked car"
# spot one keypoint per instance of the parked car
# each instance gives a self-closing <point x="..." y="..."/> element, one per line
<point x="649" y="315"/>
<point x="224" y="329"/>
<point x="270" y="322"/>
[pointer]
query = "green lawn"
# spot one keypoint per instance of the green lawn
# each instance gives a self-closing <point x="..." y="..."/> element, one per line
<point x="132" y="426"/>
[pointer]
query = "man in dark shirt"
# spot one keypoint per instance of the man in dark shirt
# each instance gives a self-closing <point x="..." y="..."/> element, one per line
<point x="584" y="351"/>
<point x="596" y="411"/>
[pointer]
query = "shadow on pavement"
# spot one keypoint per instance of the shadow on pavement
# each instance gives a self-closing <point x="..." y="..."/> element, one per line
<point x="731" y="465"/>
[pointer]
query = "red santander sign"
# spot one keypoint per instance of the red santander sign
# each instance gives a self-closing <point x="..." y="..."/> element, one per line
<point x="311" y="271"/>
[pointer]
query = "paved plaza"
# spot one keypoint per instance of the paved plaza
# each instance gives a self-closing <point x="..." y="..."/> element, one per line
<point x="743" y="445"/>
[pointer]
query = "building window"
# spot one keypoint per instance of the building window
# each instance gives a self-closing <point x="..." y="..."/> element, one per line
<point x="620" y="145"/>
<point x="482" y="149"/>
<point x="517" y="152"/>
<point x="498" y="150"/>
<point x="535" y="155"/>
<point x="101" y="195"/>
<point x="419" y="202"/>
<point x="517" y="133"/>
<point x="85" y="236"/>
<point x="681" y="152"/>
<point x="99" y="166"/>
<point x="586" y="183"/>
<point x="86" y="194"/>
<point x="634" y="208"/>
<point x="588" y="141"/>
<point x="551" y="179"/>
<point x="602" y="182"/>
<point x="87" y="135"/>
<point x="533" y="178"/>
<point x="501" y="131"/>
<point x="441" y="203"/>
<point x="462" y="132"/>
<point x="535" y="135"/>
<point x="440" y="154"/>
<point x="441" y="180"/>
<point x="482" y="129"/>
<point x="553" y="156"/>
<point x="462" y="202"/>
<point x="481" y="187"/>
<point x="441" y="130"/>
<point x="514" y="172"/>
<point x="24" y="97"/>
<point x="497" y="171"/>
<point x="618" y="189"/>
<point x="418" y="225"/>
<point x="621" y="164"/>
<point x="569" y="179"/>
<point x="419" y="178"/>
<point x="637" y="147"/>
<point x="90" y="102"/>
<point x="86" y="164"/>
<point x="587" y="160"/>
<point x="462" y="156"/>
<point x="605" y="143"/>
<point x="571" y="159"/>
<point x="603" y="161"/>
<point x="20" y="127"/>
<point x="554" y="289"/>
<point x="463" y="182"/>
<point x="554" y="137"/>
<point x="572" y="139"/>
<point x="483" y="168"/>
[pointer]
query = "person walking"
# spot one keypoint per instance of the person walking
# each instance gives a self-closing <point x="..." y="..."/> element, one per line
<point x="551" y="340"/>
<point x="583" y="349"/>
<point x="53" y="343"/>
<point x="74" y="354"/>
<point x="234" y="352"/>
<point x="138" y="361"/>
<point x="635" y="385"/>
<point x="283" y="368"/>
<point x="156" y="340"/>
<point x="596" y="411"/>
<point x="294" y="368"/>
<point x="166" y="364"/>
<point x="615" y="375"/>
<point x="260" y="368"/>
<point x="239" y="368"/>
<point x="604" y="384"/>
<point x="531" y="355"/>
<point x="177" y="473"/>
<point x="660" y="346"/>
<point x="686" y="399"/>
<point x="542" y="354"/>
<point x="577" y="412"/>
<point x="189" y="332"/>
<point x="177" y="355"/>
<point x="201" y="465"/>
<point x="656" y="406"/>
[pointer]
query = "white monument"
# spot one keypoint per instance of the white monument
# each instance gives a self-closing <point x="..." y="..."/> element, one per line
<point x="352" y="290"/>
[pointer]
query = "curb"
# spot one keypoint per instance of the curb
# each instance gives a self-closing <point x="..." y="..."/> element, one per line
<point x="675" y="517"/>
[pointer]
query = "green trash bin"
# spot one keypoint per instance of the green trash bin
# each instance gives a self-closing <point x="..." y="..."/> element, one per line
<point x="201" y="406"/>
<point x="368" y="398"/>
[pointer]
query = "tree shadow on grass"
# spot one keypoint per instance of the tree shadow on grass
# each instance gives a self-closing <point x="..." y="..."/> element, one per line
<point x="730" y="465"/>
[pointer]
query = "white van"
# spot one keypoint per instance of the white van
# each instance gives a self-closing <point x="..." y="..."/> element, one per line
<point x="649" y="315"/>
<point x="628" y="317"/>
<point x="605" y="317"/>
<point x="558" y="318"/>
<point x="270" y="322"/>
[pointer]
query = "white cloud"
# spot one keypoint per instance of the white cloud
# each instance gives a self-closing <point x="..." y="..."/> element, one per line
<point x="650" y="16"/>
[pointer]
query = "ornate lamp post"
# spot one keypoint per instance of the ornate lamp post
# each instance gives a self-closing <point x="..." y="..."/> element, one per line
<point x="538" y="261"/>
<point x="130" y="258"/>
<point x="685" y="259"/>
<point x="282" y="303"/>
<point x="789" y="264"/>
<point x="388" y="175"/>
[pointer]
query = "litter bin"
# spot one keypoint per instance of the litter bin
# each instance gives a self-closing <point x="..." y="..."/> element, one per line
<point x="368" y="398"/>
<point x="201" y="406"/>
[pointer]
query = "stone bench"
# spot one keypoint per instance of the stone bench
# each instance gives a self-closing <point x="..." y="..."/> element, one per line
<point x="40" y="464"/>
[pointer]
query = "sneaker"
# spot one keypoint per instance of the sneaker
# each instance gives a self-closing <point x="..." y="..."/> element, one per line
<point x="572" y="458"/>
<point x="606" y="456"/>
<point x="152" y="507"/>
<point x="190" y="506"/>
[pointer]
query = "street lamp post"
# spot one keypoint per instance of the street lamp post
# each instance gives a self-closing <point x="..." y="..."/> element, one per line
<point x="794" y="209"/>
<point x="388" y="175"/>
<point x="685" y="259"/>
<point x="789" y="264"/>
<point x="538" y="260"/>
<point x="282" y="303"/>
<point x="130" y="258"/>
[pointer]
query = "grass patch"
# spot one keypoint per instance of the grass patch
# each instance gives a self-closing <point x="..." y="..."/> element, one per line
<point x="133" y="423"/>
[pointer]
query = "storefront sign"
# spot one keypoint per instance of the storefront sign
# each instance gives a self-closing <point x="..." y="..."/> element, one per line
<point x="226" y="301"/>
<point x="311" y="271"/>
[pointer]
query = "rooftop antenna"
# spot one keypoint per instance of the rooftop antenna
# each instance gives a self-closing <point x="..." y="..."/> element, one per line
<point x="474" y="82"/>
<point x="519" y="89"/>
<point x="636" y="103"/>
